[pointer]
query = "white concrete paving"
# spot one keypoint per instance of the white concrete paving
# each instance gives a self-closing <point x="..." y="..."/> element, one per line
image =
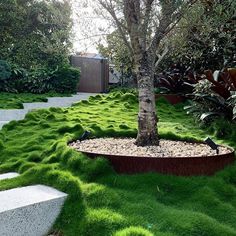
<point x="19" y="114"/>
<point x="9" y="175"/>
<point x="58" y="101"/>
<point x="29" y="211"/>
<point x="12" y="114"/>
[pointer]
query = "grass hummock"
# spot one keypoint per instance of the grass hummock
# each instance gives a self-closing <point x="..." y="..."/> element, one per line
<point x="103" y="203"/>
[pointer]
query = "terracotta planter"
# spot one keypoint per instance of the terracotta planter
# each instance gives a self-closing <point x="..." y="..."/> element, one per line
<point x="171" y="98"/>
<point x="184" y="166"/>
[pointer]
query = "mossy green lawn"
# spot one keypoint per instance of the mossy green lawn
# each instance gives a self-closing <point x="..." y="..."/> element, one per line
<point x="103" y="203"/>
<point x="16" y="100"/>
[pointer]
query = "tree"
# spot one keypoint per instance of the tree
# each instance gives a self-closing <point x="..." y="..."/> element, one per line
<point x="207" y="36"/>
<point x="146" y="23"/>
<point x="116" y="51"/>
<point x="35" y="33"/>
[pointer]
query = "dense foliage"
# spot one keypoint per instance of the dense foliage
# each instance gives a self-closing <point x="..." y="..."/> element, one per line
<point x="35" y="33"/>
<point x="100" y="201"/>
<point x="62" y="79"/>
<point x="214" y="96"/>
<point x="65" y="79"/>
<point x="5" y="74"/>
<point x="177" y="80"/>
<point x="35" y="44"/>
<point x="207" y="36"/>
<point x="116" y="51"/>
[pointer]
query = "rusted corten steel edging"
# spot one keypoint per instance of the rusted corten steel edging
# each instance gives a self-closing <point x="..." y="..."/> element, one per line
<point x="182" y="166"/>
<point x="171" y="98"/>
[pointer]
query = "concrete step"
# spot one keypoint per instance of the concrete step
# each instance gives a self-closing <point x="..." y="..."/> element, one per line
<point x="69" y="100"/>
<point x="13" y="114"/>
<point x="9" y="175"/>
<point x="19" y="114"/>
<point x="36" y="105"/>
<point x="57" y="101"/>
<point x="29" y="211"/>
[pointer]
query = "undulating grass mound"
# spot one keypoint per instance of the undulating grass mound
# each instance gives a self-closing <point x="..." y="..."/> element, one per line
<point x="103" y="203"/>
<point x="16" y="100"/>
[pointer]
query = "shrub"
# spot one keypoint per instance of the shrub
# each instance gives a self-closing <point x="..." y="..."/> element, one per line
<point x="232" y="103"/>
<point x="39" y="80"/>
<point x="18" y="78"/>
<point x="65" y="79"/>
<point x="214" y="96"/>
<point x="178" y="80"/>
<point x="5" y="74"/>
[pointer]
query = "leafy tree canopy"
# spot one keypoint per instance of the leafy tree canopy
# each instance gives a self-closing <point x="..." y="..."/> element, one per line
<point x="206" y="37"/>
<point x="35" y="33"/>
<point x="116" y="51"/>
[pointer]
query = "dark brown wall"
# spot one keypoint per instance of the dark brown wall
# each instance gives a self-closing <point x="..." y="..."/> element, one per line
<point x="94" y="74"/>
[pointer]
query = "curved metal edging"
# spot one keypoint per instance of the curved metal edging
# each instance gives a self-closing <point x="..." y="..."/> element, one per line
<point x="171" y="98"/>
<point x="182" y="166"/>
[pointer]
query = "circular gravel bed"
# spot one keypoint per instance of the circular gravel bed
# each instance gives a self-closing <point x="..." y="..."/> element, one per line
<point x="126" y="147"/>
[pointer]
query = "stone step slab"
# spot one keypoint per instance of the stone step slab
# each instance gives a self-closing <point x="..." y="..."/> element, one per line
<point x="9" y="175"/>
<point x="29" y="211"/>
<point x="13" y="114"/>
<point x="7" y="115"/>
<point x="58" y="101"/>
<point x="36" y="105"/>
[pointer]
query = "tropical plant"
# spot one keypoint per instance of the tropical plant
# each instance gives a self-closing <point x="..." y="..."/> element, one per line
<point x="222" y="81"/>
<point x="178" y="80"/>
<point x="214" y="96"/>
<point x="232" y="103"/>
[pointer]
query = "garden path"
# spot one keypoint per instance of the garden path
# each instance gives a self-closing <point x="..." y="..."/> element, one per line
<point x="19" y="114"/>
<point x="33" y="200"/>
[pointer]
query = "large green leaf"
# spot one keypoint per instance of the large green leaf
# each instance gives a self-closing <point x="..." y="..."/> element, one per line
<point x="208" y="115"/>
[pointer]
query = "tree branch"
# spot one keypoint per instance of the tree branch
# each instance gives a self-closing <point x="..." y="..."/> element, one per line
<point x="110" y="9"/>
<point x="160" y="57"/>
<point x="170" y="18"/>
<point x="132" y="17"/>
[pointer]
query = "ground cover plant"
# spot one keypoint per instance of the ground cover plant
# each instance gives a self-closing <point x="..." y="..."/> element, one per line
<point x="16" y="100"/>
<point x="103" y="203"/>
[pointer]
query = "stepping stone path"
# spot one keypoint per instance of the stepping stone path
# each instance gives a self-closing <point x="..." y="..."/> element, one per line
<point x="9" y="175"/>
<point x="8" y="115"/>
<point x="32" y="210"/>
<point x="29" y="211"/>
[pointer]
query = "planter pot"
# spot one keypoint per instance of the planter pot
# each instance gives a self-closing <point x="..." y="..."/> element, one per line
<point x="171" y="98"/>
<point x="183" y="166"/>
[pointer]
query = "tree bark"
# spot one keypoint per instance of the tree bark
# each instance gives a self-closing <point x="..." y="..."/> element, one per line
<point x="147" y="117"/>
<point x="139" y="18"/>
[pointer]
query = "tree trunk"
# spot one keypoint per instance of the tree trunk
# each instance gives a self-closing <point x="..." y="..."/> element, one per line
<point x="147" y="117"/>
